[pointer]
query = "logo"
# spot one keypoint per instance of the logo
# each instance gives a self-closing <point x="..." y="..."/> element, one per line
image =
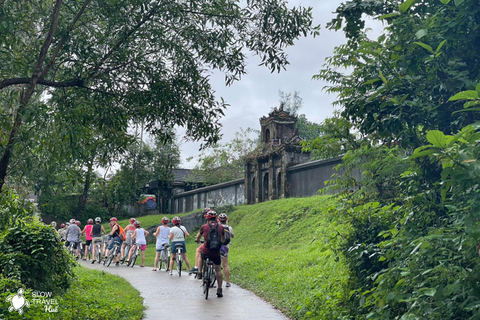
<point x="17" y="301"/>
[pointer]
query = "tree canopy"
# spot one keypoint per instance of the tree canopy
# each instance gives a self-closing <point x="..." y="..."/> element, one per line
<point x="135" y="60"/>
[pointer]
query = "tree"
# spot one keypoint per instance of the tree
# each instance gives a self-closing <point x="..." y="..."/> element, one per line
<point x="307" y="130"/>
<point x="144" y="61"/>
<point x="401" y="83"/>
<point x="225" y="162"/>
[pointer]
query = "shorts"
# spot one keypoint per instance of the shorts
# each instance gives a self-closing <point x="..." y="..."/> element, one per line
<point x="142" y="247"/>
<point x="172" y="248"/>
<point x="88" y="242"/>
<point x="217" y="260"/>
<point x="224" y="251"/>
<point x="112" y="243"/>
<point x="97" y="239"/>
<point x="160" y="248"/>
<point x="75" y="244"/>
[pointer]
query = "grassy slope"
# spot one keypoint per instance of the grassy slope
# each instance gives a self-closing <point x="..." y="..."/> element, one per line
<point x="274" y="256"/>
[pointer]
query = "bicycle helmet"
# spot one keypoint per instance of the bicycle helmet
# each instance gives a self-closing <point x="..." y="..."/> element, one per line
<point x="136" y="223"/>
<point x="67" y="224"/>
<point x="132" y="220"/>
<point x="53" y="224"/>
<point x="72" y="221"/>
<point x="98" y="219"/>
<point x="204" y="211"/>
<point x="176" y="220"/>
<point x="90" y="221"/>
<point x="113" y="219"/>
<point x="164" y="220"/>
<point x="211" y="214"/>
<point x="223" y="217"/>
<point x="62" y="225"/>
<point x="77" y="223"/>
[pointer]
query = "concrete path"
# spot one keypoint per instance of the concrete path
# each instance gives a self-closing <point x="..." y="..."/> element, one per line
<point x="164" y="294"/>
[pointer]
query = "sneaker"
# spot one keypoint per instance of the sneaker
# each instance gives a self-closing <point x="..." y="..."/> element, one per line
<point x="171" y="273"/>
<point x="194" y="270"/>
<point x="219" y="292"/>
<point x="93" y="261"/>
<point x="117" y="263"/>
<point x="228" y="284"/>
<point x="199" y="276"/>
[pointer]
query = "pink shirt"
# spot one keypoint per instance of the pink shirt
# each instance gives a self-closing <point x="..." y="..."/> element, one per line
<point x="88" y="229"/>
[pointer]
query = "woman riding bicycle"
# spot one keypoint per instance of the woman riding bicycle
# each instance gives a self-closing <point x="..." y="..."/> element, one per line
<point x="178" y="233"/>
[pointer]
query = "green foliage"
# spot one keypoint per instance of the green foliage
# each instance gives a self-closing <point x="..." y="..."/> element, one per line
<point x="224" y="162"/>
<point x="401" y="83"/>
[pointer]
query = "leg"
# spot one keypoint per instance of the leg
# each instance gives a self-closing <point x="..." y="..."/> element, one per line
<point x="218" y="270"/>
<point x="185" y="258"/>
<point x="172" y="259"/>
<point x="226" y="269"/>
<point x="157" y="257"/>
<point x="143" y="258"/>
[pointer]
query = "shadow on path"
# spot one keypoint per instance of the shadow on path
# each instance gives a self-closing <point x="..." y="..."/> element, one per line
<point x="164" y="294"/>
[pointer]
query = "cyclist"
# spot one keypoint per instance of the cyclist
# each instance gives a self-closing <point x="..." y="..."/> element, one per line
<point x="72" y="235"/>
<point x="129" y="230"/>
<point x="96" y="235"/>
<point x="178" y="233"/>
<point x="162" y="239"/>
<point x="222" y="218"/>
<point x="87" y="231"/>
<point x="140" y="240"/>
<point x="198" y="257"/>
<point x="115" y="234"/>
<point x="60" y="231"/>
<point x="212" y="254"/>
<point x="54" y="225"/>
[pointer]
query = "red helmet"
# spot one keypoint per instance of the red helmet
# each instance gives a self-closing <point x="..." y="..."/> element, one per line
<point x="223" y="217"/>
<point x="132" y="220"/>
<point x="164" y="220"/>
<point x="62" y="225"/>
<point x="90" y="221"/>
<point x="176" y="220"/>
<point x="211" y="214"/>
<point x="77" y="222"/>
<point x="113" y="219"/>
<point x="136" y="223"/>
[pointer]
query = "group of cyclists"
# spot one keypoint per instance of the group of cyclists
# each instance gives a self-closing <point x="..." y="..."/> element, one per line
<point x="133" y="236"/>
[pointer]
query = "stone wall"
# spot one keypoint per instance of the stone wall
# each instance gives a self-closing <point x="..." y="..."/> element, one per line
<point x="303" y="180"/>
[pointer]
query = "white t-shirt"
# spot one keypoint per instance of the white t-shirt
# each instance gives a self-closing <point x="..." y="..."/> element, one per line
<point x="162" y="237"/>
<point x="140" y="237"/>
<point x="178" y="235"/>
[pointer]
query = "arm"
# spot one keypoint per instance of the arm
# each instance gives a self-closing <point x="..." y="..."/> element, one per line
<point x="156" y="233"/>
<point x="103" y="230"/>
<point x="170" y="235"/>
<point x="186" y="233"/>
<point x="146" y="232"/>
<point x="134" y="233"/>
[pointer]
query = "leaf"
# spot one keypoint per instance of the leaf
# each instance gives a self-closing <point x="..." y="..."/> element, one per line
<point x="382" y="77"/>
<point x="425" y="46"/>
<point x="465" y="95"/>
<point x="421" y="33"/>
<point x="437" y="138"/>
<point x="403" y="7"/>
<point x="430" y="292"/>
<point x="445" y="1"/>
<point x="422" y="152"/>
<point x="440" y="46"/>
<point x="388" y="15"/>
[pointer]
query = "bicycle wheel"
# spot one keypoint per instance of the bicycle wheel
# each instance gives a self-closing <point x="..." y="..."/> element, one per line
<point x="179" y="264"/>
<point x="109" y="259"/>
<point x="206" y="281"/>
<point x="133" y="258"/>
<point x="98" y="254"/>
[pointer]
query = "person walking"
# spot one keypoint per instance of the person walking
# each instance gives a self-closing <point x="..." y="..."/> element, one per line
<point x="224" y="250"/>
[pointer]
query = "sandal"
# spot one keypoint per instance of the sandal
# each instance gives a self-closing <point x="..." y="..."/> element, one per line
<point x="154" y="269"/>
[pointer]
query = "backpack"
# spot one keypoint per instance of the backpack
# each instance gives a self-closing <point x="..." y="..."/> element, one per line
<point x="121" y="233"/>
<point x="228" y="235"/>
<point x="213" y="241"/>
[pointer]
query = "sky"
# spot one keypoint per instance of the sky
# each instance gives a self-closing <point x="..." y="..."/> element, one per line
<point x="257" y="92"/>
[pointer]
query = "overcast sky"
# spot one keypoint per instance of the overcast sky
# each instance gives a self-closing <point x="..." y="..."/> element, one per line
<point x="258" y="91"/>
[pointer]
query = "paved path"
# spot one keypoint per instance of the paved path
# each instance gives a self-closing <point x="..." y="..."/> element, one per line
<point x="183" y="295"/>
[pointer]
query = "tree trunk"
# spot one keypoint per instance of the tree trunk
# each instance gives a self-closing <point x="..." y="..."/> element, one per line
<point x="83" y="198"/>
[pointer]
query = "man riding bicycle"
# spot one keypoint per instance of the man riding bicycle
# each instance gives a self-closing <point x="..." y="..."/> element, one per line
<point x="212" y="253"/>
<point x="116" y="234"/>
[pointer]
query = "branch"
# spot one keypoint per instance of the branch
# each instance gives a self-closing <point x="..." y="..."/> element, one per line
<point x="71" y="83"/>
<point x="64" y="38"/>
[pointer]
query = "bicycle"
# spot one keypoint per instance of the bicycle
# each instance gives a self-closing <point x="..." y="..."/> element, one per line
<point x="71" y="249"/>
<point x="209" y="275"/>
<point x="178" y="258"/>
<point x="112" y="254"/>
<point x="134" y="256"/>
<point x="125" y="254"/>
<point x="98" y="251"/>
<point x="164" y="257"/>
